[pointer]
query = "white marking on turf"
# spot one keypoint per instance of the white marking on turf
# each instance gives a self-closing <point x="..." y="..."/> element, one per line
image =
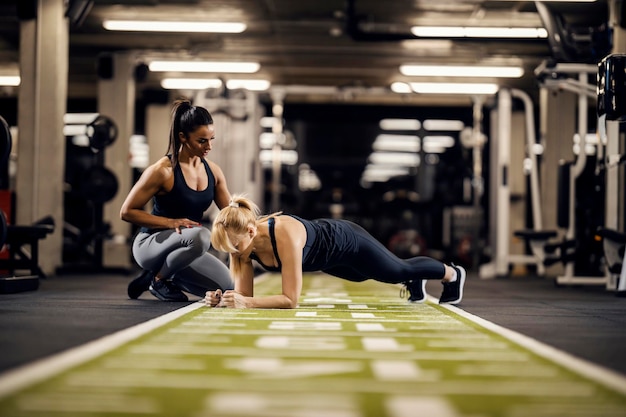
<point x="316" y="300"/>
<point x="359" y="307"/>
<point x="419" y="406"/>
<point x="301" y="343"/>
<point x="276" y="368"/>
<point x="395" y="370"/>
<point x="363" y="315"/>
<point x="40" y="370"/>
<point x="306" y="313"/>
<point x="371" y="327"/>
<point x="304" y="325"/>
<point x="277" y="404"/>
<point x="386" y="344"/>
<point x="587" y="369"/>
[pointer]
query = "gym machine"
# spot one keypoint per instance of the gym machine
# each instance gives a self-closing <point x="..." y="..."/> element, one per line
<point x="89" y="185"/>
<point x="500" y="194"/>
<point x="573" y="78"/>
<point x="19" y="244"/>
<point x="611" y="109"/>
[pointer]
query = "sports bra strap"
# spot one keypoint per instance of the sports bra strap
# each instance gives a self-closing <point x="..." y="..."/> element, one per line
<point x="271" y="223"/>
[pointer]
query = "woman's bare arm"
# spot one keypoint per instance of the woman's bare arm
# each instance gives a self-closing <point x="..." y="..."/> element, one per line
<point x="222" y="195"/>
<point x="151" y="182"/>
<point x="290" y="239"/>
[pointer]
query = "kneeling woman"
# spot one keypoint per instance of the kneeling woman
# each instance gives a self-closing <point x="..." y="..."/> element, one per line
<point x="290" y="245"/>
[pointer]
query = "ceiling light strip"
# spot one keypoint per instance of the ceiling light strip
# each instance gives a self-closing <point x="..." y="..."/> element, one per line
<point x="9" y="80"/>
<point x="190" y="83"/>
<point x="461" y="71"/>
<point x="204" y="66"/>
<point x="478" y="32"/>
<point x="173" y="26"/>
<point x="454" y="88"/>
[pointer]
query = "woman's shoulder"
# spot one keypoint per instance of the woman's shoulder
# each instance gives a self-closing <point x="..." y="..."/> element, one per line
<point x="289" y="223"/>
<point x="162" y="168"/>
<point x="214" y="167"/>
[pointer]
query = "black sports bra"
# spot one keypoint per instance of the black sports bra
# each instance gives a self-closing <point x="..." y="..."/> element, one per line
<point x="271" y="224"/>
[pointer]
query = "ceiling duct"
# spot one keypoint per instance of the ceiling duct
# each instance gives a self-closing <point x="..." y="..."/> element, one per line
<point x="573" y="44"/>
<point x="355" y="30"/>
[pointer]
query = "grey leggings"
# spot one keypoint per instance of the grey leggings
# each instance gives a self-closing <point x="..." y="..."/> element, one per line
<point x="184" y="258"/>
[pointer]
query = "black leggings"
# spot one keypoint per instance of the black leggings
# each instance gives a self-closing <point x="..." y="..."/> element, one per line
<point x="374" y="261"/>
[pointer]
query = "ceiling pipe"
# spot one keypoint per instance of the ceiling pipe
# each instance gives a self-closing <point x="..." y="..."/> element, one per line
<point x="353" y="28"/>
<point x="355" y="23"/>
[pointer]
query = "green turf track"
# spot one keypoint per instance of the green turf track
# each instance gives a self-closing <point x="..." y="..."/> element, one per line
<point x="348" y="350"/>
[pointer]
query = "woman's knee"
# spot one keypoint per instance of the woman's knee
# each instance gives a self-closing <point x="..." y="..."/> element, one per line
<point x="200" y="238"/>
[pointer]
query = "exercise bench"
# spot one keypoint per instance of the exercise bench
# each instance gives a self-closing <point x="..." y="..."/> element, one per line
<point x="16" y="239"/>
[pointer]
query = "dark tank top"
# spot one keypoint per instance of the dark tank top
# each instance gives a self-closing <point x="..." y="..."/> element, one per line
<point x="327" y="242"/>
<point x="182" y="201"/>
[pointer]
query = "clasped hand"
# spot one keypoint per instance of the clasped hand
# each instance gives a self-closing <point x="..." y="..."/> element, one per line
<point x="228" y="299"/>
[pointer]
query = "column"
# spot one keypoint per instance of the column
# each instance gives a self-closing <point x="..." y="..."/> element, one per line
<point x="44" y="44"/>
<point x="116" y="100"/>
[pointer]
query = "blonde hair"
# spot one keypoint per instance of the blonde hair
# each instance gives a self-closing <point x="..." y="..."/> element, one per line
<point x="236" y="217"/>
<point x="240" y="213"/>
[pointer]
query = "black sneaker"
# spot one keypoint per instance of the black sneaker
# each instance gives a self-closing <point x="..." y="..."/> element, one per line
<point x="140" y="284"/>
<point x="453" y="291"/>
<point x="416" y="289"/>
<point x="166" y="291"/>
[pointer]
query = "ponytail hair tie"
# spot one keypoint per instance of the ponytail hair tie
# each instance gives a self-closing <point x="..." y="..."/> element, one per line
<point x="233" y="204"/>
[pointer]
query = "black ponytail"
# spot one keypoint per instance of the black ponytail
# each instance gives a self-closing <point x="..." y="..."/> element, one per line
<point x="185" y="118"/>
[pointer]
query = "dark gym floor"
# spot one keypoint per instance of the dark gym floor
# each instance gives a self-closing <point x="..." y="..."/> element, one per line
<point x="69" y="310"/>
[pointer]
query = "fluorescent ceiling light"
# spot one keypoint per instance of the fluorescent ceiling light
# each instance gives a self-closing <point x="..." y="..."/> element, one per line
<point x="461" y="71"/>
<point x="173" y="26"/>
<point x="9" y="80"/>
<point x="79" y="118"/>
<point x="446" y="125"/>
<point x="377" y="173"/>
<point x="404" y="159"/>
<point x="396" y="143"/>
<point x="454" y="88"/>
<point x="438" y="141"/>
<point x="399" y="124"/>
<point x="287" y="157"/>
<point x="190" y="83"/>
<point x="267" y="140"/>
<point x="400" y="87"/>
<point x="204" y="66"/>
<point x="252" y="85"/>
<point x="477" y="32"/>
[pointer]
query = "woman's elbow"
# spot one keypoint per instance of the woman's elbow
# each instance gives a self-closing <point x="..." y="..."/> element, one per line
<point x="291" y="303"/>
<point x="126" y="214"/>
